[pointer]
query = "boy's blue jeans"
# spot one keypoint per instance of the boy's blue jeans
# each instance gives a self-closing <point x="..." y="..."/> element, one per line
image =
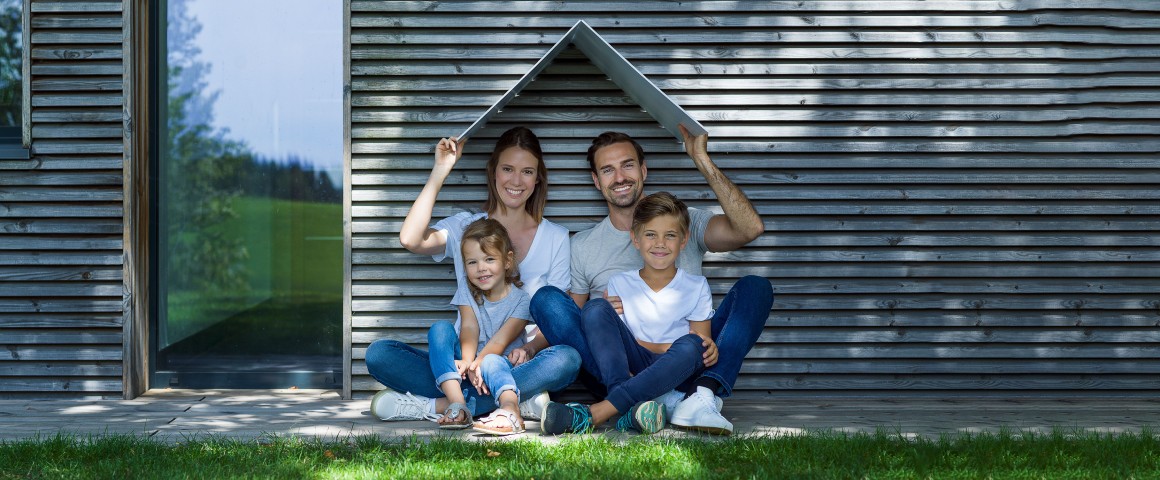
<point x="404" y="368"/>
<point x="630" y="372"/>
<point x="736" y="325"/>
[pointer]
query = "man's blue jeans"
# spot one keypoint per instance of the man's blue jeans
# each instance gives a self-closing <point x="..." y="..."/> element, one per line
<point x="630" y="372"/>
<point x="404" y="368"/>
<point x="736" y="324"/>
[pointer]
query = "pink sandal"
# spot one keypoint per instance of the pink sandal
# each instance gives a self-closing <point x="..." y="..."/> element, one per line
<point x="500" y="422"/>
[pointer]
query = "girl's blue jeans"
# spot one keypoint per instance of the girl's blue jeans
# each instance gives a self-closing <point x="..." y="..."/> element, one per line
<point x="736" y="324"/>
<point x="404" y="368"/>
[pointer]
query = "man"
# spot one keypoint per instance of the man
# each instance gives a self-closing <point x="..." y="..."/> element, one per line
<point x="618" y="170"/>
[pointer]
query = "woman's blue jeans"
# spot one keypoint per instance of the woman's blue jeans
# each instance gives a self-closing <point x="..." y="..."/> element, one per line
<point x="404" y="368"/>
<point x="736" y="325"/>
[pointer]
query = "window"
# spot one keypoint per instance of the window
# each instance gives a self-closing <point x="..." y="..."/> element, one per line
<point x="11" y="79"/>
<point x="248" y="197"/>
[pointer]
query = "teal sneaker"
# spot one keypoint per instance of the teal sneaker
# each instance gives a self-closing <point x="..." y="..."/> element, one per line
<point x="645" y="417"/>
<point x="559" y="418"/>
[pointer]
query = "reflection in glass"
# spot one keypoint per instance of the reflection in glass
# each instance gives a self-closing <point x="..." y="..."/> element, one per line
<point x="10" y="64"/>
<point x="249" y="195"/>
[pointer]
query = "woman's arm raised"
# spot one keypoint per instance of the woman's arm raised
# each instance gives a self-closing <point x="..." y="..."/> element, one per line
<point x="415" y="234"/>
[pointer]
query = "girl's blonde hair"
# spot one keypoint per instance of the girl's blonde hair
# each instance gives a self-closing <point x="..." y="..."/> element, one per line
<point x="523" y="139"/>
<point x="493" y="240"/>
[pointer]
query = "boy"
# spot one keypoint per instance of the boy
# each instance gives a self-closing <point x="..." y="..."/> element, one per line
<point x="661" y="341"/>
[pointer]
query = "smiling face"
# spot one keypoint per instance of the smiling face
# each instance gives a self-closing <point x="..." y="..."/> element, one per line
<point x="619" y="175"/>
<point x="515" y="177"/>
<point x="485" y="270"/>
<point x="660" y="241"/>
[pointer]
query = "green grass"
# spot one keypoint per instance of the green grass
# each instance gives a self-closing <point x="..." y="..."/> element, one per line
<point x="1058" y="455"/>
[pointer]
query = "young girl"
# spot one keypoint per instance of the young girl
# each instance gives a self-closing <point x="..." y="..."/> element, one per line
<point x="660" y="341"/>
<point x="475" y="349"/>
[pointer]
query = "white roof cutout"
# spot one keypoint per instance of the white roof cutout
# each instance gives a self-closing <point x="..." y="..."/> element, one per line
<point x="662" y="108"/>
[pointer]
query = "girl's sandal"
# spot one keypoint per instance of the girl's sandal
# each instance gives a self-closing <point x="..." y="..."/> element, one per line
<point x="500" y="422"/>
<point x="454" y="412"/>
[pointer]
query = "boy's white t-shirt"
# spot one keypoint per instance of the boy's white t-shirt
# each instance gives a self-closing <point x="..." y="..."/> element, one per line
<point x="664" y="316"/>
<point x="547" y="261"/>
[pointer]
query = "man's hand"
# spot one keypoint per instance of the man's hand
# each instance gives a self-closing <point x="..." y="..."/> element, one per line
<point x="710" y="356"/>
<point x="521" y="354"/>
<point x="697" y="147"/>
<point x="615" y="302"/>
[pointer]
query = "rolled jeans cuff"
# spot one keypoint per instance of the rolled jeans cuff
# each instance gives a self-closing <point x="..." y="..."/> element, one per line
<point x="445" y="377"/>
<point x="506" y="387"/>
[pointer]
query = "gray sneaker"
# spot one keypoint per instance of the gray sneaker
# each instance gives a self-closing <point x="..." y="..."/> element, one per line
<point x="390" y="405"/>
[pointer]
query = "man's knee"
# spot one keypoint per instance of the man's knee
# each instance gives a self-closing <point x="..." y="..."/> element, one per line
<point x="597" y="313"/>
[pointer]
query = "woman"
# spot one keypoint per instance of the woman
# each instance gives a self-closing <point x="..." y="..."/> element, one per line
<point x="517" y="190"/>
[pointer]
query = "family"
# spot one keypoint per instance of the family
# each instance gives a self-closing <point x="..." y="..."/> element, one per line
<point x="622" y="306"/>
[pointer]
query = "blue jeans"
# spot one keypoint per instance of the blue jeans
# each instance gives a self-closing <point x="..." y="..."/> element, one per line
<point x="736" y="325"/>
<point x="404" y="368"/>
<point x="631" y="372"/>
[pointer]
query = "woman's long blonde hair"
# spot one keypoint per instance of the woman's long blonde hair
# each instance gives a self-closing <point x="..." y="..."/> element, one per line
<point x="493" y="240"/>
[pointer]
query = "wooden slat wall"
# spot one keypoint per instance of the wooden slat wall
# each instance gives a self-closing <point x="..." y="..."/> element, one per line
<point x="958" y="195"/>
<point x="61" y="212"/>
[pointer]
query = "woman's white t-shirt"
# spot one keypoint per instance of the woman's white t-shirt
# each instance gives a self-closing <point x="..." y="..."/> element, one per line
<point x="546" y="263"/>
<point x="664" y="316"/>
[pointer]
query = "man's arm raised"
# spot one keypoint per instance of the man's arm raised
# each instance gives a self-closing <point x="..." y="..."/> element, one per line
<point x="740" y="224"/>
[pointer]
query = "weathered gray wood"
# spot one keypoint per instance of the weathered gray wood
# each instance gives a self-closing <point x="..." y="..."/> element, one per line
<point x="502" y="34"/>
<point x="59" y="258"/>
<point x="41" y="274"/>
<point x="723" y="19"/>
<point x="75" y="7"/>
<point x="46" y="21"/>
<point x="542" y="7"/>
<point x="111" y="353"/>
<point x="58" y="321"/>
<point x="62" y="163"/>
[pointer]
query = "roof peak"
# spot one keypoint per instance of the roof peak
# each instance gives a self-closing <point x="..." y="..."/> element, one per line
<point x="655" y="102"/>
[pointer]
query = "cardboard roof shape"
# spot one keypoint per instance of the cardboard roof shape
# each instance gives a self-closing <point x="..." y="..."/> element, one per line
<point x="662" y="108"/>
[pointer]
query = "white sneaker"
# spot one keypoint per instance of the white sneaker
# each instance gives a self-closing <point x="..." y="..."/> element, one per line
<point x="674" y="397"/>
<point x="701" y="412"/>
<point x="530" y="409"/>
<point x="390" y="405"/>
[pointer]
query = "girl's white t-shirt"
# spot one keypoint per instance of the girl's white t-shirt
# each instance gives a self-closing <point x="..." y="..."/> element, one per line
<point x="664" y="316"/>
<point x="547" y="262"/>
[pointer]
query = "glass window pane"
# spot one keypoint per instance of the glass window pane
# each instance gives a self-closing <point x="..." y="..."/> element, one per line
<point x="249" y="195"/>
<point x="11" y="77"/>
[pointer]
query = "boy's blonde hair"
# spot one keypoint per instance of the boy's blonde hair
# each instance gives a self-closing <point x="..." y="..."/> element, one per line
<point x="493" y="240"/>
<point x="659" y="204"/>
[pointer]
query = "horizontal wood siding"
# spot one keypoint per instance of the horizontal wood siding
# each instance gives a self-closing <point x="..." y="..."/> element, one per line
<point x="61" y="212"/>
<point x="957" y="195"/>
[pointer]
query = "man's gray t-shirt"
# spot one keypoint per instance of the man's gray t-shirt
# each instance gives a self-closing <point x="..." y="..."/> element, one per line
<point x="492" y="315"/>
<point x="603" y="251"/>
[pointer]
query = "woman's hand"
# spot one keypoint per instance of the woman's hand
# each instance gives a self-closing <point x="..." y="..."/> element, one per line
<point x="447" y="152"/>
<point x="476" y="377"/>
